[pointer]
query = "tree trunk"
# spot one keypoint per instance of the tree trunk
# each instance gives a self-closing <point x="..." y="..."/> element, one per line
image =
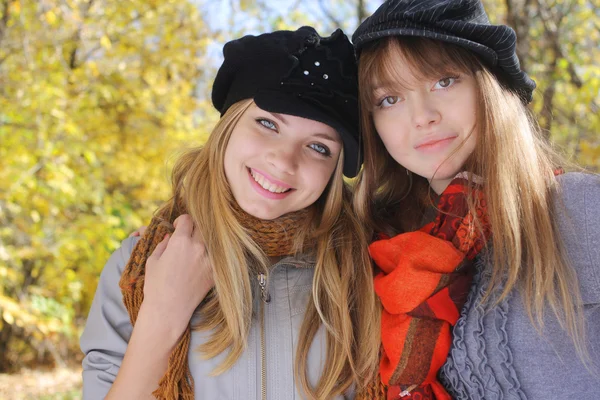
<point x="361" y="11"/>
<point x="518" y="17"/>
<point x="6" y="334"/>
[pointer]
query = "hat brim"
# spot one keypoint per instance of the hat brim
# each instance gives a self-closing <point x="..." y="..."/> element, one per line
<point x="485" y="52"/>
<point x="290" y="104"/>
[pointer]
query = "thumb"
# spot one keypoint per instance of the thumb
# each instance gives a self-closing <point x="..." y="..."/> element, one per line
<point x="161" y="247"/>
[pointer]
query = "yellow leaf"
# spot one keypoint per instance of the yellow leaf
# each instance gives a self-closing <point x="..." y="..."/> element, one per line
<point x="51" y="17"/>
<point x="94" y="68"/>
<point x="16" y="7"/>
<point x="35" y="216"/>
<point x="8" y="317"/>
<point x="105" y="42"/>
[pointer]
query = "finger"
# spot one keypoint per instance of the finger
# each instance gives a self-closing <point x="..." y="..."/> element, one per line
<point x="161" y="247"/>
<point x="183" y="226"/>
<point x="133" y="234"/>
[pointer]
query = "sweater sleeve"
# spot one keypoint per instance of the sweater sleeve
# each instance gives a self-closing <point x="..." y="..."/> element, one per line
<point x="579" y="222"/>
<point x="107" y="329"/>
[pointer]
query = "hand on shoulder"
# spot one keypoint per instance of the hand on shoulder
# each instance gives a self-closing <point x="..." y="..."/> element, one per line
<point x="178" y="274"/>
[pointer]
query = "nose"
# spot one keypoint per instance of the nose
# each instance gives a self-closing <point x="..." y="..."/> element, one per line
<point x="283" y="158"/>
<point x="424" y="112"/>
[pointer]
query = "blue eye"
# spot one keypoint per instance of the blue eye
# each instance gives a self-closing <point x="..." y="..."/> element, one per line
<point x="319" y="148"/>
<point x="267" y="123"/>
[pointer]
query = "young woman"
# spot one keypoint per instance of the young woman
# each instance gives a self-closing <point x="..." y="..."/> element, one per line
<point x="490" y="268"/>
<point x="263" y="289"/>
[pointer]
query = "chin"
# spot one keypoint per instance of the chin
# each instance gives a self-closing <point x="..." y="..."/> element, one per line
<point x="266" y="216"/>
<point x="261" y="213"/>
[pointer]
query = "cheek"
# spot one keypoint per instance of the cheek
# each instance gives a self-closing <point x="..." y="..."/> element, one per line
<point x="390" y="130"/>
<point x="469" y="121"/>
<point x="242" y="147"/>
<point x="318" y="175"/>
<point x="471" y="143"/>
<point x="236" y="153"/>
<point x="469" y="115"/>
<point x="228" y="162"/>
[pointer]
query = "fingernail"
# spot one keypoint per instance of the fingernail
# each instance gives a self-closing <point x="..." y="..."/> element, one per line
<point x="166" y="236"/>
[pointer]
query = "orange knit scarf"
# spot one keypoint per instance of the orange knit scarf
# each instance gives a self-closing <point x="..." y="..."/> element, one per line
<point x="423" y="285"/>
<point x="275" y="237"/>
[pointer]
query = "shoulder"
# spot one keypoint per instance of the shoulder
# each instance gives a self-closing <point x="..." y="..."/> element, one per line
<point x="578" y="218"/>
<point x="108" y="284"/>
<point x="576" y="184"/>
<point x="107" y="328"/>
<point x="578" y="198"/>
<point x="119" y="258"/>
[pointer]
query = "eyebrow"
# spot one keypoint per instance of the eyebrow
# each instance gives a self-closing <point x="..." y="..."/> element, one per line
<point x="321" y="135"/>
<point x="383" y="85"/>
<point x="280" y="117"/>
<point x="325" y="136"/>
<point x="391" y="85"/>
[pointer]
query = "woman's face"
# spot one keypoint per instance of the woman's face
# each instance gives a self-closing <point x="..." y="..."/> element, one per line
<point x="278" y="163"/>
<point x="429" y="127"/>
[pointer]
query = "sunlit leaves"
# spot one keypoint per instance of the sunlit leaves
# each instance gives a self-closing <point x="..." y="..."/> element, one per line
<point x="94" y="103"/>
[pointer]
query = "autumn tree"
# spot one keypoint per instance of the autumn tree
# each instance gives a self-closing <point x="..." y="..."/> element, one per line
<point x="558" y="44"/>
<point x="95" y="96"/>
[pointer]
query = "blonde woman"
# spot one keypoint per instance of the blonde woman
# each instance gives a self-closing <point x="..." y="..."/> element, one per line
<point x="254" y="281"/>
<point x="490" y="269"/>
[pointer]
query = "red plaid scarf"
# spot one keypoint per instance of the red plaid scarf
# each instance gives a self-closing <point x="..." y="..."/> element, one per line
<point x="424" y="282"/>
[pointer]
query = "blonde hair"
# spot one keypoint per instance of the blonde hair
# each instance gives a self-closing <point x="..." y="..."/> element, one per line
<point x="515" y="161"/>
<point x="343" y="299"/>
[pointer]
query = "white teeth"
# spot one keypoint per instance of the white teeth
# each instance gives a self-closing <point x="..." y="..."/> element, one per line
<point x="262" y="181"/>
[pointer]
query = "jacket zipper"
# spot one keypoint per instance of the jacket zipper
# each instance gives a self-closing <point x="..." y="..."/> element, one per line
<point x="264" y="295"/>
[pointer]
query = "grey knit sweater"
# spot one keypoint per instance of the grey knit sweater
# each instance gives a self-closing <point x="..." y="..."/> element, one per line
<point x="499" y="354"/>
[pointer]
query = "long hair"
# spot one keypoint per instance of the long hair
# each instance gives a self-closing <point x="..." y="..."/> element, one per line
<point x="343" y="298"/>
<point x="515" y="161"/>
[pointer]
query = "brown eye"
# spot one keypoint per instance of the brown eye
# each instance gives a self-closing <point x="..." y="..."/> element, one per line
<point x="388" y="101"/>
<point x="445" y="83"/>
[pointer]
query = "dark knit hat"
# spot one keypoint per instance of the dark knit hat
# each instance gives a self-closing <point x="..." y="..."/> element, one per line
<point x="297" y="73"/>
<point x="462" y="22"/>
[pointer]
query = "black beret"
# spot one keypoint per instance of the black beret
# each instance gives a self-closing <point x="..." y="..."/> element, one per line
<point x="462" y="22"/>
<point x="298" y="73"/>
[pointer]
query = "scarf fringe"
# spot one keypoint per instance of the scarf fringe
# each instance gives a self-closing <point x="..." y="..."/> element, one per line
<point x="375" y="390"/>
<point x="178" y="384"/>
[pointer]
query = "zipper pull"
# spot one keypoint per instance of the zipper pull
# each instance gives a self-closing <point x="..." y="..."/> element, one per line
<point x="262" y="282"/>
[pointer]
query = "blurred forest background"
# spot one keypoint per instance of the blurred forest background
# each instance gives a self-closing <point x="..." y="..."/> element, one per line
<point x="98" y="96"/>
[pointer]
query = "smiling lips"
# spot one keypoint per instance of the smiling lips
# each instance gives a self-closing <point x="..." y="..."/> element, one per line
<point x="435" y="143"/>
<point x="267" y="186"/>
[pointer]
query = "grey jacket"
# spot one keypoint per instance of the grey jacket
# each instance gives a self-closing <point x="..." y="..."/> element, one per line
<point x="498" y="354"/>
<point x="108" y="329"/>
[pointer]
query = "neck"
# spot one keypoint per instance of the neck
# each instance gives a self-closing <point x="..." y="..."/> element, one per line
<point x="439" y="185"/>
<point x="275" y="237"/>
